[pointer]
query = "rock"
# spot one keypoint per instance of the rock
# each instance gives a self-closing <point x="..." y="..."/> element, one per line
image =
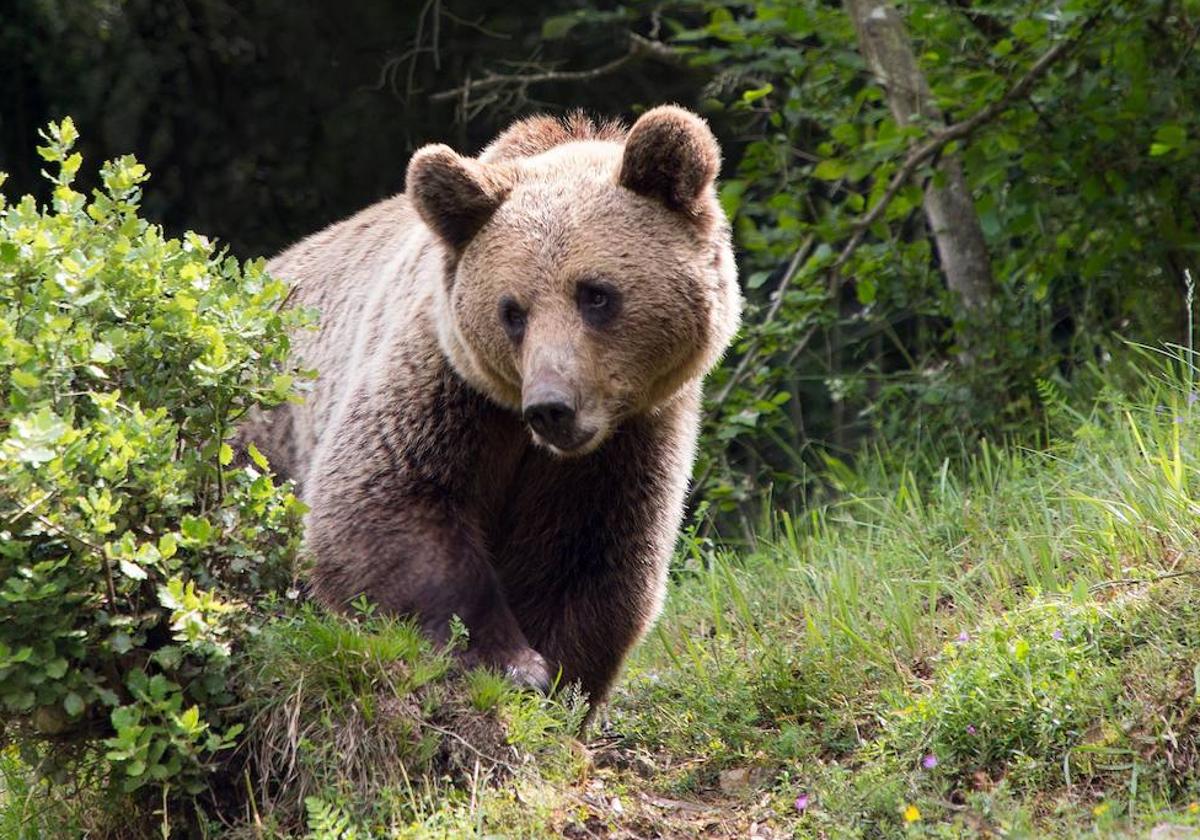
<point x="740" y="779"/>
<point x="1171" y="831"/>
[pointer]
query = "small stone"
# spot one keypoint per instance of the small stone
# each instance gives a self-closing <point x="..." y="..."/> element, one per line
<point x="735" y="780"/>
<point x="1171" y="831"/>
<point x="739" y="779"/>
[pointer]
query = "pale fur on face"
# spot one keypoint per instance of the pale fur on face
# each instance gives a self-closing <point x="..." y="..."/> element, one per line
<point x="638" y="215"/>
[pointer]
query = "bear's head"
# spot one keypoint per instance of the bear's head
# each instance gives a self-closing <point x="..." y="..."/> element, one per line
<point x="589" y="273"/>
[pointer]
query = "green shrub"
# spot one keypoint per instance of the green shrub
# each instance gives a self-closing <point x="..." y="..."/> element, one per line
<point x="130" y="542"/>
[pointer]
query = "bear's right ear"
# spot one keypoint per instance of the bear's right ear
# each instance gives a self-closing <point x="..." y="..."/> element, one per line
<point x="672" y="156"/>
<point x="455" y="196"/>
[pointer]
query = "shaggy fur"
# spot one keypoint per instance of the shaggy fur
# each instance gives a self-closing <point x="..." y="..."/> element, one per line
<point x="428" y="492"/>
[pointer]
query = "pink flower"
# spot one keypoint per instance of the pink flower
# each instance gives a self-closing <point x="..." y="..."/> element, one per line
<point x="929" y="761"/>
<point x="1057" y="634"/>
<point x="970" y="729"/>
<point x="802" y="802"/>
<point x="963" y="637"/>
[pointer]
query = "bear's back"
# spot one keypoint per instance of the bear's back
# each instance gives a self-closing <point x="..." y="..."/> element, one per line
<point x="361" y="276"/>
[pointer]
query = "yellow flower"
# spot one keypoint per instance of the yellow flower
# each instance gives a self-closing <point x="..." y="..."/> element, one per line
<point x="1194" y="808"/>
<point x="1101" y="809"/>
<point x="911" y="814"/>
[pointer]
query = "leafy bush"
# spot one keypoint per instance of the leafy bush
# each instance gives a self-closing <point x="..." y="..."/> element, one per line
<point x="129" y="541"/>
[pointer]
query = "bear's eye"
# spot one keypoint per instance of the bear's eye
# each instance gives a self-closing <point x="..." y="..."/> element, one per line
<point x="598" y="303"/>
<point x="512" y="318"/>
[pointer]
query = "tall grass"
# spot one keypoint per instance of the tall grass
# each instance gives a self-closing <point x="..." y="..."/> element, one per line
<point x="1041" y="594"/>
<point x="966" y="640"/>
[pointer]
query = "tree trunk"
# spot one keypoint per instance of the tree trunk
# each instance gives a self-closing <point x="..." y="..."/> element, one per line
<point x="949" y="209"/>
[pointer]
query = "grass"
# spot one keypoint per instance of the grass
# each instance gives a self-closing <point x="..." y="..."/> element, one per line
<point x="1005" y="643"/>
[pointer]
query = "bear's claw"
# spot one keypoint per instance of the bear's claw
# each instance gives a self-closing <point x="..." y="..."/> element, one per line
<point x="530" y="670"/>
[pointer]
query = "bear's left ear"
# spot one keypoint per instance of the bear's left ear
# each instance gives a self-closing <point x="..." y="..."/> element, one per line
<point x="672" y="156"/>
<point x="454" y="195"/>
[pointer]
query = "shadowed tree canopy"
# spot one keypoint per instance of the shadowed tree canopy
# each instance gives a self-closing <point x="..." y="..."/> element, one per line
<point x="265" y="120"/>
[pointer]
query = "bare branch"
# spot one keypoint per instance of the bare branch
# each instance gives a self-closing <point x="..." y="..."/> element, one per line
<point x="639" y="48"/>
<point x="776" y="304"/>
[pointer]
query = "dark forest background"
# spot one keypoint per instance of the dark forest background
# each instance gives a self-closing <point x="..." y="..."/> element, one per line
<point x="263" y="121"/>
<point x="951" y="221"/>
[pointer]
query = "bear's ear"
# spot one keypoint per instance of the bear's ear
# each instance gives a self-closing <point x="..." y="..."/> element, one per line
<point x="672" y="156"/>
<point x="454" y="195"/>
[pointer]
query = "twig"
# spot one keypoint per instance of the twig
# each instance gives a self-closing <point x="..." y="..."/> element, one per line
<point x="451" y="734"/>
<point x="776" y="304"/>
<point x="108" y="575"/>
<point x="797" y="349"/>
<point x="639" y="47"/>
<point x="1110" y="584"/>
<point x="12" y="520"/>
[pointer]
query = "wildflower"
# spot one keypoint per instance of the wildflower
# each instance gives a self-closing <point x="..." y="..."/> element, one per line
<point x="802" y="803"/>
<point x="929" y="761"/>
<point x="1194" y="808"/>
<point x="1178" y="418"/>
<point x="963" y="637"/>
<point x="1193" y="398"/>
<point x="971" y="729"/>
<point x="1057" y="635"/>
<point x="1101" y="809"/>
<point x="911" y="814"/>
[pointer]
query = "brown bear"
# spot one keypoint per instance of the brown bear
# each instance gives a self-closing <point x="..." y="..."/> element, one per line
<point x="509" y="360"/>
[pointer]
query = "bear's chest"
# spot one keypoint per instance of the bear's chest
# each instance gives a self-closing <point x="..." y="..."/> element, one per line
<point x="498" y="459"/>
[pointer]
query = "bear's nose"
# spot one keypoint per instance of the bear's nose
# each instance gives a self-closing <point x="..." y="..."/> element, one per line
<point x="554" y="420"/>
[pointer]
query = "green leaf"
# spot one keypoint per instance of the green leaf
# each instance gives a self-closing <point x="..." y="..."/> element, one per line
<point x="24" y="379"/>
<point x="1172" y="135"/>
<point x="56" y="669"/>
<point x="830" y="170"/>
<point x="101" y="353"/>
<point x="756" y="94"/>
<point x="131" y="570"/>
<point x="168" y="544"/>
<point x="73" y="704"/>
<point x="257" y="457"/>
<point x="558" y="26"/>
<point x="865" y="290"/>
<point x="755" y="279"/>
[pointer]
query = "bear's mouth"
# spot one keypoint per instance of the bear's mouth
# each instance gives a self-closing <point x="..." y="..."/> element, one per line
<point x="579" y="442"/>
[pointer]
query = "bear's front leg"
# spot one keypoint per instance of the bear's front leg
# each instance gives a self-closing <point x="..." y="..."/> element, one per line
<point x="586" y="543"/>
<point x="416" y="559"/>
<point x="394" y="504"/>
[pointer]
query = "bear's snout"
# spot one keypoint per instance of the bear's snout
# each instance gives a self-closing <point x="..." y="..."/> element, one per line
<point x="553" y="419"/>
<point x="549" y="407"/>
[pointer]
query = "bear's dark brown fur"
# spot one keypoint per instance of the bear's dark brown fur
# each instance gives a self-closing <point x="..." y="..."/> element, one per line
<point x="510" y="358"/>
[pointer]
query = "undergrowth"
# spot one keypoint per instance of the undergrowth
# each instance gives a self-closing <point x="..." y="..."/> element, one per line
<point x="1002" y="642"/>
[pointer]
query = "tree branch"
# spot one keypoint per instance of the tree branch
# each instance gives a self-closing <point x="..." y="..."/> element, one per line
<point x="776" y="304"/>
<point x="958" y="131"/>
<point x="639" y="48"/>
<point x="923" y="152"/>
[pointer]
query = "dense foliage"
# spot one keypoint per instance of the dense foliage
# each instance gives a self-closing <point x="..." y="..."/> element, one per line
<point x="1080" y="185"/>
<point x="130" y="545"/>
<point x="1080" y="180"/>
